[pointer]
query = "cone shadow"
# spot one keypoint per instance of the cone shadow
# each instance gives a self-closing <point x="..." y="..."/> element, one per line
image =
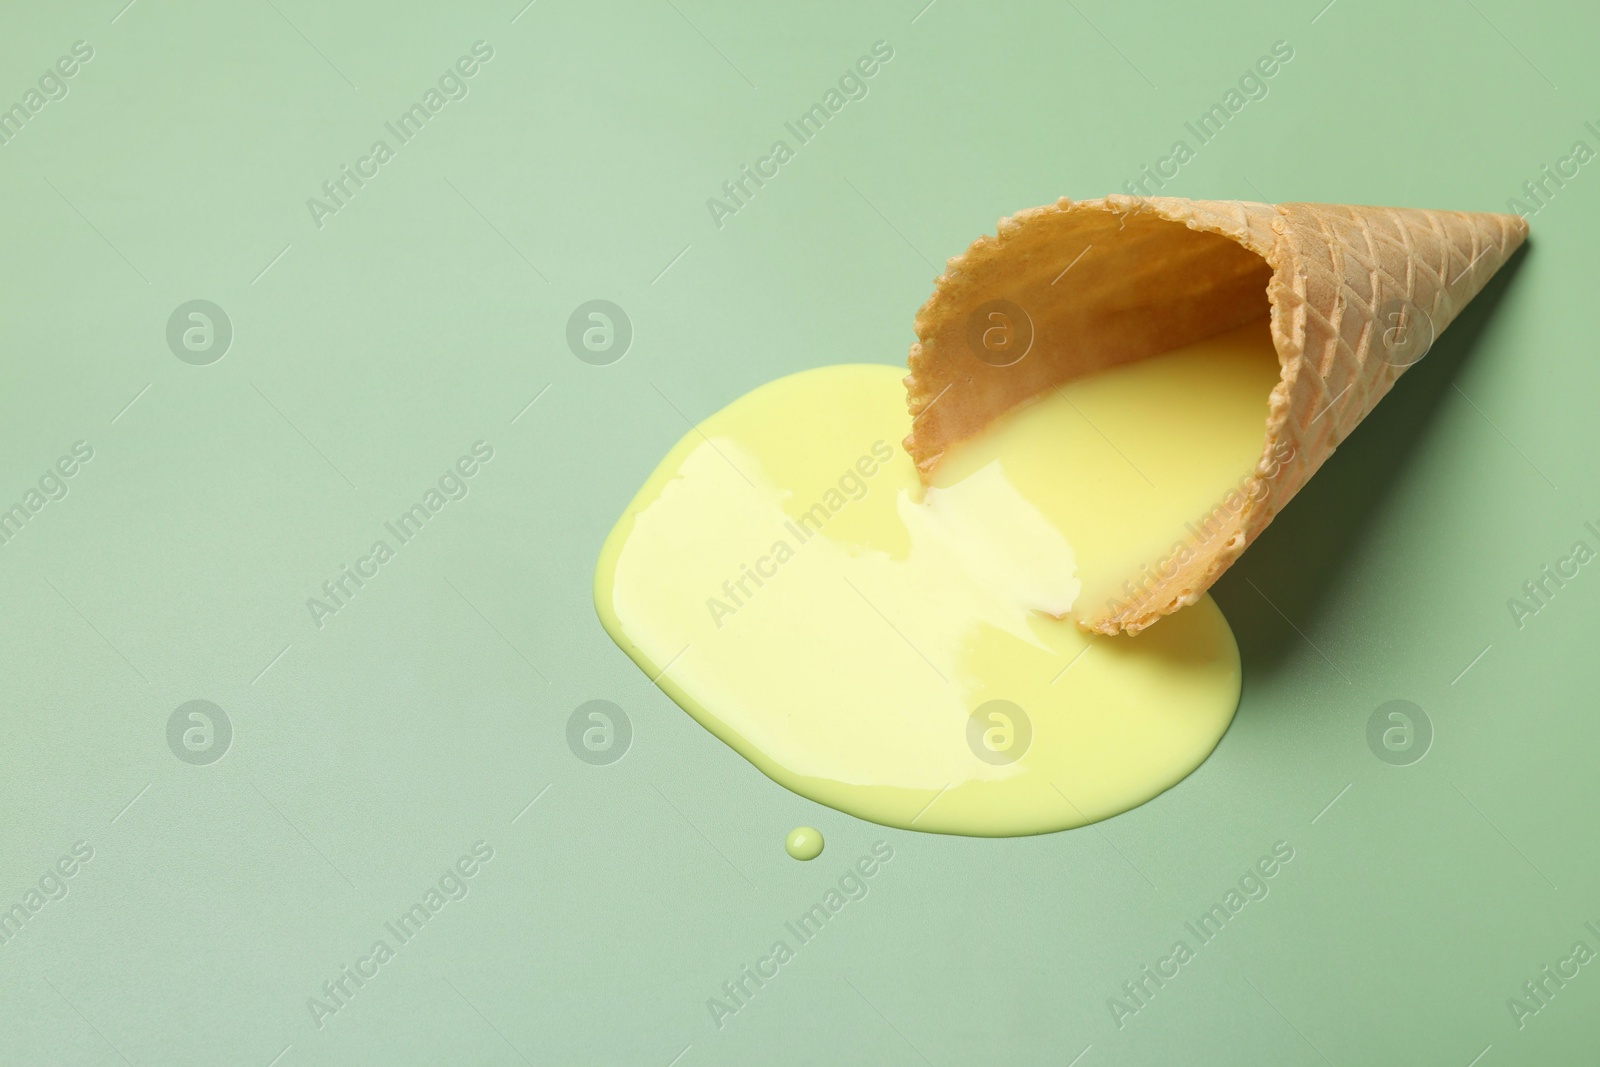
<point x="1304" y="550"/>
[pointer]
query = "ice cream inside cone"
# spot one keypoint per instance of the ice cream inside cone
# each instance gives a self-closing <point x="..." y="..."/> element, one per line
<point x="1107" y="401"/>
<point x="1139" y="467"/>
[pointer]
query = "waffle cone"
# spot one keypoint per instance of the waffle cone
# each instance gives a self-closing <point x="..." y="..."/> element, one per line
<point x="1355" y="295"/>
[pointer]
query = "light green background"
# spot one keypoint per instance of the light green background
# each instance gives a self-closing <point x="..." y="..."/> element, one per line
<point x="370" y="754"/>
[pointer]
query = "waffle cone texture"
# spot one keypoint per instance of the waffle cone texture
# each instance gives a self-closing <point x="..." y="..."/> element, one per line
<point x="1355" y="296"/>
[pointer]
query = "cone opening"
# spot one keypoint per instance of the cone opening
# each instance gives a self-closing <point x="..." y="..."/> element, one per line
<point x="1062" y="294"/>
